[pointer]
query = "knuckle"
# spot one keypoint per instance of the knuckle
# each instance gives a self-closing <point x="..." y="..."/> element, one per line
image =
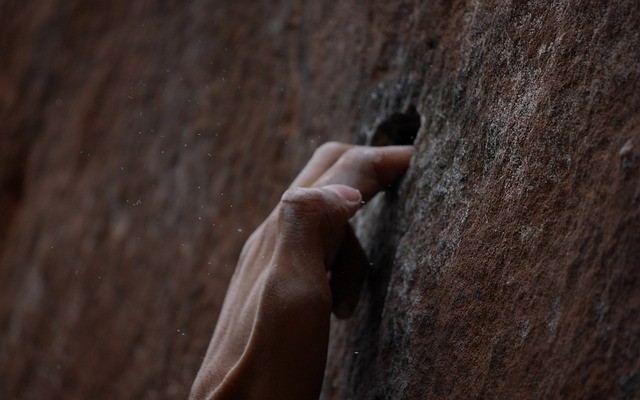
<point x="299" y="197"/>
<point x="362" y="159"/>
<point x="360" y="155"/>
<point x="297" y="292"/>
<point x="315" y="209"/>
<point x="301" y="203"/>
<point x="330" y="148"/>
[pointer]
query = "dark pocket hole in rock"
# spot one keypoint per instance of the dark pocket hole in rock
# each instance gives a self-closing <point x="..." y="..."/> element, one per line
<point x="398" y="129"/>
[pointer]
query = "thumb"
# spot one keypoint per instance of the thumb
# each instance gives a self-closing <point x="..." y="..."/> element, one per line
<point x="311" y="222"/>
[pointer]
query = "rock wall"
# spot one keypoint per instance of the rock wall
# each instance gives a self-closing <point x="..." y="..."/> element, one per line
<point x="143" y="141"/>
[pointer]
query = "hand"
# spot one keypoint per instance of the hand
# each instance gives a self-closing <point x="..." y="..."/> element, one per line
<point x="271" y="338"/>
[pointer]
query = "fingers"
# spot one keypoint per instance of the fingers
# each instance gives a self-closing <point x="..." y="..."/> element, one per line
<point x="323" y="158"/>
<point x="311" y="223"/>
<point x="368" y="169"/>
<point x="347" y="275"/>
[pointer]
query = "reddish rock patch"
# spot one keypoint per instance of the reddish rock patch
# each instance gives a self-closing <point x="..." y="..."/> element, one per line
<point x="143" y="142"/>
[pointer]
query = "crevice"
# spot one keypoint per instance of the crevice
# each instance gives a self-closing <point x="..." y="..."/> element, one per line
<point x="400" y="128"/>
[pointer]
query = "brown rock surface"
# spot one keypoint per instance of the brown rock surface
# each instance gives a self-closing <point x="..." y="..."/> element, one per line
<point x="142" y="142"/>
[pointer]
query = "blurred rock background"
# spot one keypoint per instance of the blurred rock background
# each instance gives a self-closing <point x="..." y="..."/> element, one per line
<point x="141" y="142"/>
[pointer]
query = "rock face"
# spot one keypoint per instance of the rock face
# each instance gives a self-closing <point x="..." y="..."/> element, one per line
<point x="141" y="143"/>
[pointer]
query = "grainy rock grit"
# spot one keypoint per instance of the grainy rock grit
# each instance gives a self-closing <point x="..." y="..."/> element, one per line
<point x="142" y="142"/>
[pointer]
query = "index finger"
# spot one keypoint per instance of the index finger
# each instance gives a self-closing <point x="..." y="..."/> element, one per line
<point x="323" y="158"/>
<point x="368" y="169"/>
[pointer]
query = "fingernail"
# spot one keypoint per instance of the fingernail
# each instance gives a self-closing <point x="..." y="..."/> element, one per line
<point x="346" y="192"/>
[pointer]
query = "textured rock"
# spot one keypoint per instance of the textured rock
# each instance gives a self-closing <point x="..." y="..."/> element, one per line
<point x="142" y="142"/>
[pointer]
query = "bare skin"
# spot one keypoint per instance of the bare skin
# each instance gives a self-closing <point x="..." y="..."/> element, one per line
<point x="301" y="264"/>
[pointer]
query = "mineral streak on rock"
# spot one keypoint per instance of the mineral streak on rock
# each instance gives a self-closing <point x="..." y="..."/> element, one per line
<point x="143" y="142"/>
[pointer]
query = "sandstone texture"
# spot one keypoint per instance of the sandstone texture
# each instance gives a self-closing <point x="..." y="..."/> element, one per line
<point x="141" y="143"/>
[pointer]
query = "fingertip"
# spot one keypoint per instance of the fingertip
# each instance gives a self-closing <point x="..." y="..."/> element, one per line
<point x="398" y="153"/>
<point x="346" y="192"/>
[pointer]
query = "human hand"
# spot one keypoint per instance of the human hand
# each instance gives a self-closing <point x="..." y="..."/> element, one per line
<point x="271" y="338"/>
